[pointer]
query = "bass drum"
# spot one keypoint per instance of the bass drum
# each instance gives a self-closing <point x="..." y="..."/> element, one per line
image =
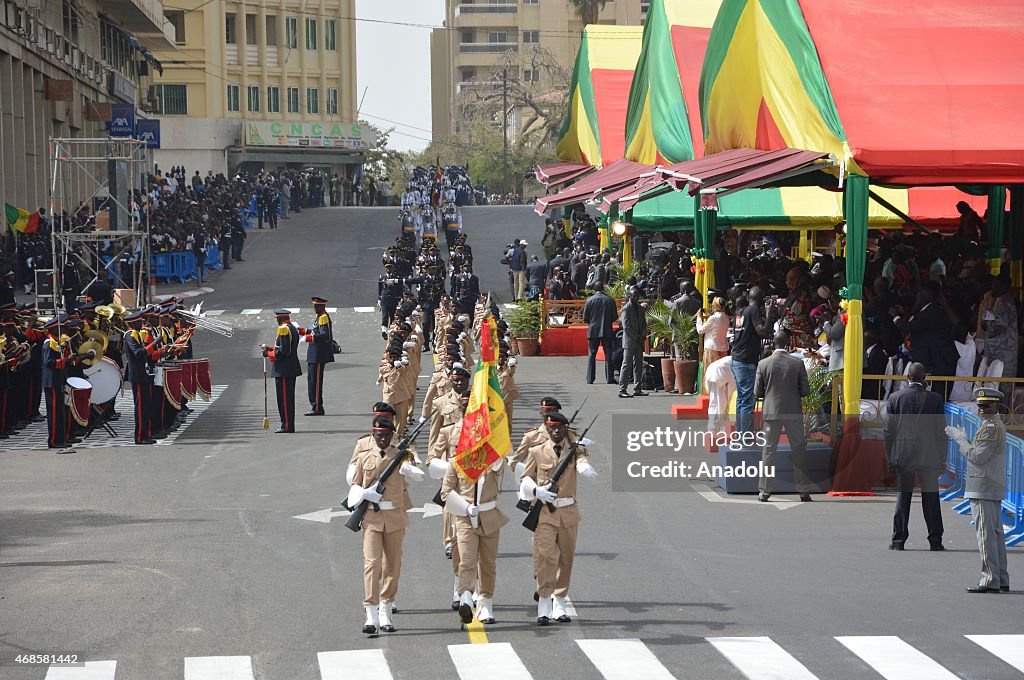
<point x="105" y="378"/>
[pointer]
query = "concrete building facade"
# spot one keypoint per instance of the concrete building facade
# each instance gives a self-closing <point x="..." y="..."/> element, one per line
<point x="264" y="84"/>
<point x="478" y="33"/>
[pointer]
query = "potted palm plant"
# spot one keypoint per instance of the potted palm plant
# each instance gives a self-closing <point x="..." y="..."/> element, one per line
<point x="524" y="326"/>
<point x="685" y="345"/>
<point x="665" y="325"/>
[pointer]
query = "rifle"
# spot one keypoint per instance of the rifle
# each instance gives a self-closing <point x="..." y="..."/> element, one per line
<point x="355" y="520"/>
<point x="533" y="517"/>
<point x="522" y="503"/>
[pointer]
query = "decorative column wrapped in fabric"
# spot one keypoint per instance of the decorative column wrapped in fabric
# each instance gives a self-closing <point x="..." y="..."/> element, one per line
<point x="1016" y="235"/>
<point x="994" y="223"/>
<point x="603" y="240"/>
<point x="567" y="220"/>
<point x="709" y="225"/>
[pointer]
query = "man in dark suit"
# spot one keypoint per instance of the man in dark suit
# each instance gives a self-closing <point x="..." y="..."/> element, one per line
<point x="875" y="363"/>
<point x="916" y="447"/>
<point x="320" y="352"/>
<point x="285" y="358"/>
<point x="931" y="337"/>
<point x="599" y="314"/>
<point x="781" y="381"/>
<point x="634" y="330"/>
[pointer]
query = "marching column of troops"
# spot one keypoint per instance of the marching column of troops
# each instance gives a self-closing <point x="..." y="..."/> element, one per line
<point x="40" y="358"/>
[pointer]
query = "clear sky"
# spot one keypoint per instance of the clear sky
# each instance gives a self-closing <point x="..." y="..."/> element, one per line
<point x="394" y="63"/>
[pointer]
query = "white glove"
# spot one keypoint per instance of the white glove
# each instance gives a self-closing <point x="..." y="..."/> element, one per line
<point x="456" y="364"/>
<point x="545" y="494"/>
<point x="371" y="495"/>
<point x="462" y="336"/>
<point x="422" y="418"/>
<point x="407" y="344"/>
<point x="411" y="471"/>
<point x="957" y="434"/>
<point x="473" y="510"/>
<point x="513" y="361"/>
<point x="396" y="363"/>
<point x="585" y="441"/>
<point x="413" y="336"/>
<point x="585" y="469"/>
<point x="405" y="361"/>
<point x="350" y="474"/>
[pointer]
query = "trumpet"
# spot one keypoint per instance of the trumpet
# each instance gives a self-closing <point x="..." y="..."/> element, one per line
<point x="195" y="317"/>
<point x="15" y="353"/>
<point x="111" y="318"/>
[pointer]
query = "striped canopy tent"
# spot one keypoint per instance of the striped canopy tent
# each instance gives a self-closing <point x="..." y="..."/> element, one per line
<point x="917" y="92"/>
<point x="663" y="126"/>
<point x="593" y="129"/>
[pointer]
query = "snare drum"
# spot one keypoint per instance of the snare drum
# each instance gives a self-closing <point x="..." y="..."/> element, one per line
<point x="77" y="397"/>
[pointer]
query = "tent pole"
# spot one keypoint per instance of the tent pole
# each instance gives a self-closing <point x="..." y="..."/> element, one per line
<point x="897" y="212"/>
<point x="994" y="223"/>
<point x="855" y="204"/>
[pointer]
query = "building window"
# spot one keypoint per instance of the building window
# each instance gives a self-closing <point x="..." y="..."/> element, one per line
<point x="291" y="32"/>
<point x="271" y="31"/>
<point x="529" y="2"/>
<point x="468" y="74"/>
<point x="531" y="75"/>
<point x="497" y="37"/>
<point x="330" y="35"/>
<point x="177" y="19"/>
<point x="233" y="97"/>
<point x="332" y="101"/>
<point x="72" y="20"/>
<point x="310" y="34"/>
<point x="467" y="37"/>
<point x="273" y="99"/>
<point x="312" y="100"/>
<point x="531" y="36"/>
<point x="254" y="98"/>
<point x="293" y="100"/>
<point x="250" y="29"/>
<point x="230" y="37"/>
<point x="173" y="99"/>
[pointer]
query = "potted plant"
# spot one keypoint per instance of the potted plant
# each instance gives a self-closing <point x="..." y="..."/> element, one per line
<point x="665" y="325"/>
<point x="524" y="326"/>
<point x="685" y="344"/>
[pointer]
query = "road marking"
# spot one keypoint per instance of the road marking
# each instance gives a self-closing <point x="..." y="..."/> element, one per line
<point x="218" y="668"/>
<point x="476" y="632"/>
<point x="331" y="310"/>
<point x="894" y="659"/>
<point x="759" y="658"/>
<point x="323" y="516"/>
<point x="356" y="664"/>
<point x="713" y="497"/>
<point x="93" y="670"/>
<point x="428" y="510"/>
<point x="1009" y="648"/>
<point x="624" y="660"/>
<point x="497" y="661"/>
<point x="251" y="312"/>
<point x="294" y="310"/>
<point x="213" y="312"/>
<point x="364" y="310"/>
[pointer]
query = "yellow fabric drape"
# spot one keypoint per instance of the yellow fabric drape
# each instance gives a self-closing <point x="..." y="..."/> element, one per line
<point x="853" y="367"/>
<point x="627" y="252"/>
<point x="704" y="278"/>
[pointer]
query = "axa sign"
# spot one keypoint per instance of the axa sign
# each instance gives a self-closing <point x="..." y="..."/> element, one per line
<point x="122" y="120"/>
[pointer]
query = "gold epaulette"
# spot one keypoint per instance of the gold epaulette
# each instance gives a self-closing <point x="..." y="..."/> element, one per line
<point x="54" y="345"/>
<point x="283" y="330"/>
<point x="323" y="320"/>
<point x="135" y="336"/>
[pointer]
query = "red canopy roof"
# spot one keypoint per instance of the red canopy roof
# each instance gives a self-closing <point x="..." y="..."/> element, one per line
<point x="613" y="176"/>
<point x="561" y="172"/>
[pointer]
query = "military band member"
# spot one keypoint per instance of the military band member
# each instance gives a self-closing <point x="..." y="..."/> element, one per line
<point x="320" y="338"/>
<point x="554" y="541"/>
<point x="472" y="506"/>
<point x="383" y="531"/>
<point x="986" y="488"/>
<point x="391" y="376"/>
<point x="285" y="359"/>
<point x="56" y="357"/>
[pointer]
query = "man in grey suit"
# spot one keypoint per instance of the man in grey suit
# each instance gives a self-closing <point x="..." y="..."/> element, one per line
<point x="634" y="330"/>
<point x="599" y="314"/>
<point x="916" y="448"/>
<point x="781" y="381"/>
<point x="986" y="487"/>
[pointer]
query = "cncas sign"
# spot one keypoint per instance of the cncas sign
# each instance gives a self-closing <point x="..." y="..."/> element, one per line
<point x="317" y="135"/>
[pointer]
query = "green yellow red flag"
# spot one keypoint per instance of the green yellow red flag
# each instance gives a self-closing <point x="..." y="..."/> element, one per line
<point x="485" y="436"/>
<point x="21" y="220"/>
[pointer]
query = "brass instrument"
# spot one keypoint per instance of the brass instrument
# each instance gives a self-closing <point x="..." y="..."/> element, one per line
<point x="92" y="344"/>
<point x="99" y="336"/>
<point x="195" y="317"/>
<point x="16" y="352"/>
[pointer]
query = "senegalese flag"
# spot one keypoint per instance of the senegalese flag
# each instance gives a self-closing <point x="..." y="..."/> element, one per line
<point x="21" y="220"/>
<point x="485" y="435"/>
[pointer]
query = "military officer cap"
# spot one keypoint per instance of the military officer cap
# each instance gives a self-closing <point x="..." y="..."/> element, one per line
<point x="395" y="350"/>
<point x="389" y="265"/>
<point x="282" y="312"/>
<point x="458" y="324"/>
<point x="28" y="307"/>
<point x="72" y="322"/>
<point x="556" y="418"/>
<point x="136" y="315"/>
<point x="404" y="326"/>
<point x="148" y="311"/>
<point x="383" y="423"/>
<point x="550" y="402"/>
<point x="986" y="395"/>
<point x="9" y="308"/>
<point x="383" y="408"/>
<point x="460" y="370"/>
<point x="452" y="349"/>
<point x="317" y="300"/>
<point x="54" y="322"/>
<point x="87" y="307"/>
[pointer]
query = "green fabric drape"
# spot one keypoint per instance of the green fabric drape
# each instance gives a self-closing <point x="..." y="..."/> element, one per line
<point x="994" y="225"/>
<point x="855" y="205"/>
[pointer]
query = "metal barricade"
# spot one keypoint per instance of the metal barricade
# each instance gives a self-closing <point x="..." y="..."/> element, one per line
<point x="1013" y="504"/>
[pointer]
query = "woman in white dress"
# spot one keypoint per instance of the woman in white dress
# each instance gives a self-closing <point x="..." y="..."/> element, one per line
<point x="714" y="330"/>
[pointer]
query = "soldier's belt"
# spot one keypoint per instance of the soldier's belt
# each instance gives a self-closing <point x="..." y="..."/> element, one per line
<point x="489" y="505"/>
<point x="564" y="502"/>
<point x="386" y="505"/>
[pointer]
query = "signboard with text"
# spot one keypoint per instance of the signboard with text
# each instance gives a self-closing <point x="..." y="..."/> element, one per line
<point x="148" y="131"/>
<point x="330" y="135"/>
<point x="122" y="120"/>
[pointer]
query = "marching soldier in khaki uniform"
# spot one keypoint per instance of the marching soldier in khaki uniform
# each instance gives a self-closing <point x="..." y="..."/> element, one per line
<point x="533" y="436"/>
<point x="440" y="382"/>
<point x="444" y="410"/>
<point x="383" y="531"/>
<point x="392" y="374"/>
<point x="507" y="380"/>
<point x="366" y="442"/>
<point x="438" y="463"/>
<point x="478" y="522"/>
<point x="986" y="488"/>
<point x="554" y="542"/>
<point x="447" y="413"/>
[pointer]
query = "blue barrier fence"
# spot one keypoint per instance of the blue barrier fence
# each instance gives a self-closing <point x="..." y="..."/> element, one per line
<point x="182" y="266"/>
<point x="956" y="465"/>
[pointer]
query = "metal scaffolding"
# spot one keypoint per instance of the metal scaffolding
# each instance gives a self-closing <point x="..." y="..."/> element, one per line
<point x="114" y="242"/>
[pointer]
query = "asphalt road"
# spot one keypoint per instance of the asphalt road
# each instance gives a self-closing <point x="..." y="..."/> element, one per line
<point x="151" y="556"/>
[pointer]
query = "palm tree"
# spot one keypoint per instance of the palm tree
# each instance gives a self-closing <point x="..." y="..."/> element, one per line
<point x="587" y="10"/>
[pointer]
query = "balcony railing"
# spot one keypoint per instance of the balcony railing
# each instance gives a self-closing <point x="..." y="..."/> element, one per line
<point x="231" y="54"/>
<point x="271" y="55"/>
<point x="252" y="55"/>
<point x="488" y="47"/>
<point x="487" y="8"/>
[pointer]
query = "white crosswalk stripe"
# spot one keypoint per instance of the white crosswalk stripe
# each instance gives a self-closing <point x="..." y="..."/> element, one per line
<point x="294" y="310"/>
<point x="759" y="658"/>
<point x="218" y="668"/>
<point x="624" y="660"/>
<point x="356" y="664"/>
<point x="213" y="312"/>
<point x="1009" y="648"/>
<point x="251" y="312"/>
<point x="364" y="309"/>
<point x="494" y="661"/>
<point x="92" y="670"/>
<point x="894" y="659"/>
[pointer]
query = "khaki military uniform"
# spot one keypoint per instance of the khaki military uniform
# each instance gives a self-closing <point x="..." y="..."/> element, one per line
<point x="365" y="444"/>
<point x="444" y="447"/>
<point x="412" y="373"/>
<point x="986" y="489"/>
<point x="509" y="389"/>
<point x="445" y="410"/>
<point x="383" y="531"/>
<point x="554" y="541"/>
<point x="531" y="438"/>
<point x="476" y="537"/>
<point x="396" y="390"/>
<point x="440" y="383"/>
